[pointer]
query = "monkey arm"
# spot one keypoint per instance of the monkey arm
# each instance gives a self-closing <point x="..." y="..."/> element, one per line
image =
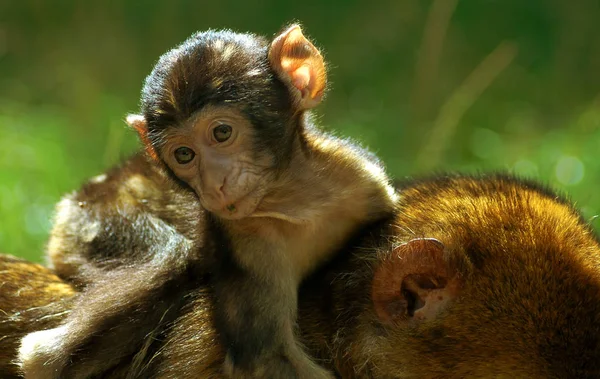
<point x="256" y="350"/>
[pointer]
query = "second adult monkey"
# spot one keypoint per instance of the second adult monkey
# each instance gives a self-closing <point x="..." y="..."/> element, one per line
<point x="225" y="116"/>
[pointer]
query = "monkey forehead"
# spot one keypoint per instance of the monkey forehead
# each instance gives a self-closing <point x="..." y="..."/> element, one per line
<point x="208" y="116"/>
<point x="212" y="67"/>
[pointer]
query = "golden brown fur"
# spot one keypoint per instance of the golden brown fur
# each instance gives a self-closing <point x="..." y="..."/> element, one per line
<point x="530" y="299"/>
<point x="31" y="298"/>
<point x="529" y="304"/>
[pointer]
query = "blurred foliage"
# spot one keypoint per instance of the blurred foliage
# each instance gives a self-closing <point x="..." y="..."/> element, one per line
<point x="428" y="85"/>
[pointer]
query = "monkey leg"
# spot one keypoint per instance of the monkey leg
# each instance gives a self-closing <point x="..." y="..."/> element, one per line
<point x="257" y="322"/>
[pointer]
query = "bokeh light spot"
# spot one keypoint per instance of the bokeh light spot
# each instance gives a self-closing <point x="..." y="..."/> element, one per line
<point x="569" y="170"/>
<point x="486" y="144"/>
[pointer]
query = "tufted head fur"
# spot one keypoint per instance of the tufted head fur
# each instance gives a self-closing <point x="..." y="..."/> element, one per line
<point x="223" y="67"/>
<point x="516" y="276"/>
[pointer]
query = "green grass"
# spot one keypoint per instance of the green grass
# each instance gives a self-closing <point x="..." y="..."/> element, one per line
<point x="507" y="85"/>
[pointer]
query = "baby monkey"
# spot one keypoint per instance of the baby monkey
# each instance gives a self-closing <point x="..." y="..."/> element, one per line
<point x="225" y="117"/>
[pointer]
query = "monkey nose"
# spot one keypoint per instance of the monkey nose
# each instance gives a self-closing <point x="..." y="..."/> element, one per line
<point x="214" y="186"/>
<point x="218" y="186"/>
<point x="218" y="196"/>
<point x="215" y="194"/>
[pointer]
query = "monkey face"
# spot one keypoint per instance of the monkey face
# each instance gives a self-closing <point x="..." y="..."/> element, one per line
<point x="216" y="155"/>
<point x="224" y="112"/>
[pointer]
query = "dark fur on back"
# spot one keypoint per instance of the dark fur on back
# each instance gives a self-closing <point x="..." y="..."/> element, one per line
<point x="128" y="215"/>
<point x="131" y="239"/>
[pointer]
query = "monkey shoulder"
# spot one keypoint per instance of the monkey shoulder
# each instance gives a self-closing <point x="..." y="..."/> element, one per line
<point x="356" y="175"/>
<point x="344" y="195"/>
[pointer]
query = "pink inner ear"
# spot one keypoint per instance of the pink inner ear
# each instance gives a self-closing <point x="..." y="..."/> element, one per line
<point x="301" y="78"/>
<point x="135" y="121"/>
<point x="138" y="122"/>
<point x="299" y="63"/>
<point x="415" y="283"/>
<point x="429" y="296"/>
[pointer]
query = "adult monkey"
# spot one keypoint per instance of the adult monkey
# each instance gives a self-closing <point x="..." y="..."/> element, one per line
<point x="481" y="277"/>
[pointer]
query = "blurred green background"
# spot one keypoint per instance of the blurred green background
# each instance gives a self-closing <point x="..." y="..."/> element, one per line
<point x="428" y="85"/>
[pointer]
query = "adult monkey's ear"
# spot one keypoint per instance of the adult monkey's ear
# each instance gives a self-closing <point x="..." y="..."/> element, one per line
<point x="415" y="283"/>
<point x="300" y="65"/>
<point x="139" y="124"/>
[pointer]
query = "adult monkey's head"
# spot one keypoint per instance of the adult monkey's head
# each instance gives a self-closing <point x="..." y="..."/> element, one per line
<point x="484" y="278"/>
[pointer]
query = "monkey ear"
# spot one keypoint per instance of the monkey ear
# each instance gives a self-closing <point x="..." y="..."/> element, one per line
<point x="415" y="283"/>
<point x="138" y="122"/>
<point x="300" y="65"/>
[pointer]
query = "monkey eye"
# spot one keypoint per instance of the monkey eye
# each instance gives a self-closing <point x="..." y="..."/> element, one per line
<point x="184" y="155"/>
<point x="222" y="132"/>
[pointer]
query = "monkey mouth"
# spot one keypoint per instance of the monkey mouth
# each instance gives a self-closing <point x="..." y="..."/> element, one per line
<point x="243" y="207"/>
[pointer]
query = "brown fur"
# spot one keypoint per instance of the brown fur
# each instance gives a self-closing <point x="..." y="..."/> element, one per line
<point x="118" y="218"/>
<point x="31" y="298"/>
<point x="128" y="240"/>
<point x="530" y="299"/>
<point x="529" y="305"/>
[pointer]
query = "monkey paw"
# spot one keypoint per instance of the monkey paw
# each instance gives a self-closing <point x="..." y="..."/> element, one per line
<point x="39" y="356"/>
